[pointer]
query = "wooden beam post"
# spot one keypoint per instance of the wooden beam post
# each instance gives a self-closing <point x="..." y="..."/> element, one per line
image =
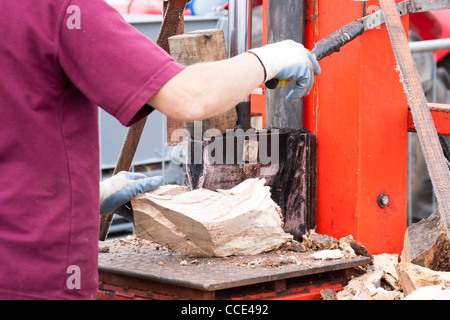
<point x="201" y="46"/>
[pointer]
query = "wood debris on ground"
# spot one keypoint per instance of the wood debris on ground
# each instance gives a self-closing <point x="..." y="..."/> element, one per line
<point x="292" y="252"/>
<point x="421" y="272"/>
<point x="386" y="278"/>
<point x="389" y="279"/>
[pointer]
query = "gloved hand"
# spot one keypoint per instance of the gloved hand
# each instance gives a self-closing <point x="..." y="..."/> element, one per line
<point x="289" y="60"/>
<point x="122" y="187"/>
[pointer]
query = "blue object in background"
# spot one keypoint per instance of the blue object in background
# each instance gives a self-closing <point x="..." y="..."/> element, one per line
<point x="191" y="7"/>
<point x="202" y="7"/>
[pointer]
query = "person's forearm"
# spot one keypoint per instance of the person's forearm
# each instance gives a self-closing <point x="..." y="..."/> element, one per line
<point x="208" y="89"/>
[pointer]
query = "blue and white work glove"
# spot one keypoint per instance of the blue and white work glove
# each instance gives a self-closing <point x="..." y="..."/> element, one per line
<point x="118" y="190"/>
<point x="289" y="61"/>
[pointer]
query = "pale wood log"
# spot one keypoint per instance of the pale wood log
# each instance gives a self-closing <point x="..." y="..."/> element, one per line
<point x="369" y="285"/>
<point x="350" y="245"/>
<point x="413" y="277"/>
<point x="241" y="221"/>
<point x="152" y="225"/>
<point x="437" y="292"/>
<point x="426" y="244"/>
<point x="387" y="263"/>
<point x="194" y="47"/>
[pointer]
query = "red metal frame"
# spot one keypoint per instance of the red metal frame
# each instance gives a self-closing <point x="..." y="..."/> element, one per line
<point x="300" y="292"/>
<point x="311" y="292"/>
<point x="359" y="112"/>
<point x="441" y="118"/>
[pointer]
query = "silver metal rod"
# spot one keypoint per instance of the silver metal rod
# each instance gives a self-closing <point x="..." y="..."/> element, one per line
<point x="239" y="26"/>
<point x="429" y="45"/>
<point x="239" y="39"/>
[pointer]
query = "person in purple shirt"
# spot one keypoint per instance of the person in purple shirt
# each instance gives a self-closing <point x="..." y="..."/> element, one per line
<point x="55" y="71"/>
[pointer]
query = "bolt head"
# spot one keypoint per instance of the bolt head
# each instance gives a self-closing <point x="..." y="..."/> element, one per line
<point x="383" y="200"/>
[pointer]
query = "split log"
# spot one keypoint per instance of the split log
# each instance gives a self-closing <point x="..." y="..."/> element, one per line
<point x="438" y="292"/>
<point x="388" y="262"/>
<point x="413" y="277"/>
<point x="368" y="287"/>
<point x="426" y="244"/>
<point x="243" y="220"/>
<point x="380" y="283"/>
<point x="350" y="245"/>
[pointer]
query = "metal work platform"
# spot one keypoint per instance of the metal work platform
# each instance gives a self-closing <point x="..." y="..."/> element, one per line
<point x="135" y="268"/>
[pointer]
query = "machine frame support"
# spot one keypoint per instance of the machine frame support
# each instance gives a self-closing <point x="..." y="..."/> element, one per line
<point x="359" y="112"/>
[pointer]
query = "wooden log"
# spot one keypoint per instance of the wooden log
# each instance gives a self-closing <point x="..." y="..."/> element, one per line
<point x="388" y="262"/>
<point x="426" y="244"/>
<point x="194" y="47"/>
<point x="351" y="245"/>
<point x="413" y="277"/>
<point x="243" y="220"/>
<point x="368" y="287"/>
<point x="151" y="224"/>
<point x="437" y="292"/>
<point x="285" y="158"/>
<point x="371" y="285"/>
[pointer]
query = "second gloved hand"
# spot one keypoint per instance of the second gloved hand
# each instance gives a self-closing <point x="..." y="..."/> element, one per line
<point x="289" y="60"/>
<point x="124" y="186"/>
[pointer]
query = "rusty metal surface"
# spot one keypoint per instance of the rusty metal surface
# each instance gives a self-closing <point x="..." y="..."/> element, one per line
<point x="140" y="259"/>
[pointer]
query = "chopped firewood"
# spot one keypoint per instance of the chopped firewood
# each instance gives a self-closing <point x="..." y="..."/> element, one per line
<point x="243" y="220"/>
<point x="379" y="283"/>
<point x="368" y="287"/>
<point x="102" y="248"/>
<point x="387" y="263"/>
<point x="438" y="292"/>
<point x="426" y="244"/>
<point x="328" y="294"/>
<point x="413" y="277"/>
<point x="349" y="244"/>
<point x="295" y="246"/>
<point x="151" y="224"/>
<point x="388" y="279"/>
<point x="316" y="241"/>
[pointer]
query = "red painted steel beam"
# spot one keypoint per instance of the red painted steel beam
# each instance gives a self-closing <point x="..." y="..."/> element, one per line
<point x="311" y="292"/>
<point x="441" y="118"/>
<point x="358" y="110"/>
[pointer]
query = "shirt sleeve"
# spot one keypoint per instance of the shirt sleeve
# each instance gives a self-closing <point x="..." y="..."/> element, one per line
<point x="109" y="61"/>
